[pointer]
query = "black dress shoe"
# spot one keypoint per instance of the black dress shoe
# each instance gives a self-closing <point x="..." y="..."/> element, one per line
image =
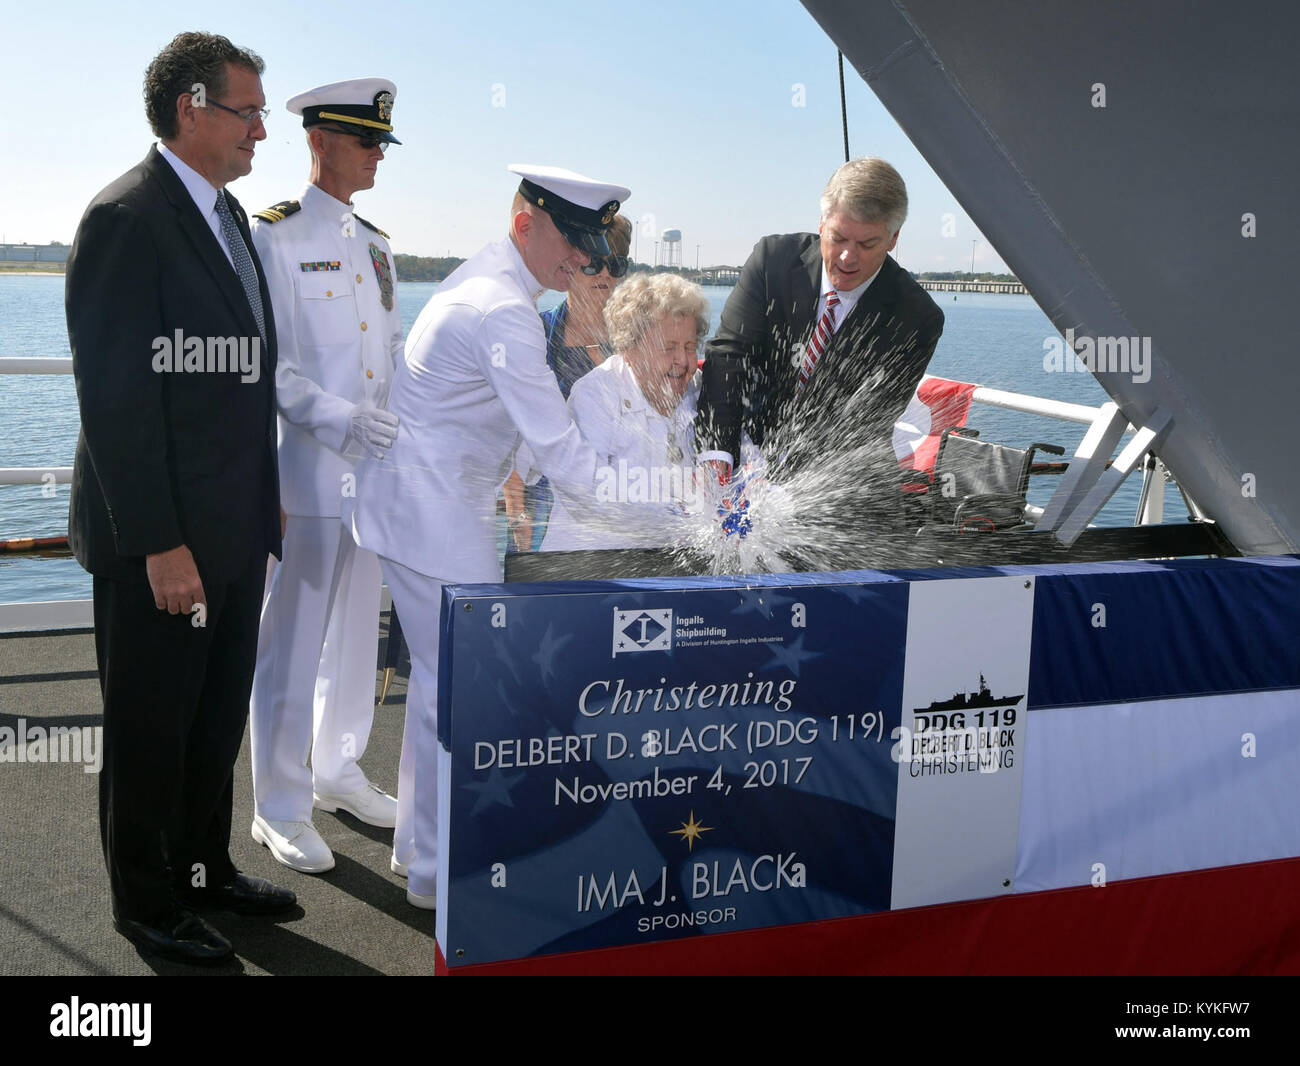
<point x="184" y="936"/>
<point x="243" y="895"/>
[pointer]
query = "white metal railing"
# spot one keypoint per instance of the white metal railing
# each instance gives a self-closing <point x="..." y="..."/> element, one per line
<point x="78" y="614"/>
<point x="1036" y="405"/>
<point x="57" y="614"/>
<point x="12" y="364"/>
<point x="33" y="475"/>
<point x="52" y="614"/>
<point x="1011" y="401"/>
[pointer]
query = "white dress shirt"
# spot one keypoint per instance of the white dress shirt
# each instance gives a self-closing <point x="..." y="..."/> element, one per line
<point x="202" y="192"/>
<point x="848" y="299"/>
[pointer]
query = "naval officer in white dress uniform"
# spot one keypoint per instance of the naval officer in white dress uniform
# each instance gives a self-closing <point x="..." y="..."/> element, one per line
<point x="474" y="381"/>
<point x="333" y="286"/>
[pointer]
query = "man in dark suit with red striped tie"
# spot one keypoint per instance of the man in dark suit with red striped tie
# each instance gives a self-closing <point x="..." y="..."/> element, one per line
<point x="822" y="343"/>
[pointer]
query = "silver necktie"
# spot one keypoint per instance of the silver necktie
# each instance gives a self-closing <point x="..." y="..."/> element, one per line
<point x="242" y="260"/>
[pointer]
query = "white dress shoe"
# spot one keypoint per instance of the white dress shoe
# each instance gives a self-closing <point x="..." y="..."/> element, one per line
<point x="398" y="868"/>
<point x="296" y="844"/>
<point x="425" y="903"/>
<point x="371" y="805"/>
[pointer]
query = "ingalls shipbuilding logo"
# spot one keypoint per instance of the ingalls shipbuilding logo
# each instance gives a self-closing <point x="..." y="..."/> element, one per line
<point x="646" y="630"/>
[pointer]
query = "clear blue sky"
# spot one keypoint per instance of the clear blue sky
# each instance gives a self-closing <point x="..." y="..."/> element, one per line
<point x="693" y="105"/>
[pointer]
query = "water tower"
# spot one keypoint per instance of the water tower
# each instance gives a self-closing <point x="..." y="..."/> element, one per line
<point x="672" y="239"/>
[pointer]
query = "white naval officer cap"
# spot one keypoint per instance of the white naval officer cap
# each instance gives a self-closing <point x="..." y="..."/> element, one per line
<point x="581" y="207"/>
<point x="363" y="106"/>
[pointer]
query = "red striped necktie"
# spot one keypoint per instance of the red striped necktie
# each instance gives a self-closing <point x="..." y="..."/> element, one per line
<point x="821" y="337"/>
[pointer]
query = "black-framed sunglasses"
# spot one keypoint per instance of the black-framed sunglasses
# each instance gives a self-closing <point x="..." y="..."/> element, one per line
<point x="616" y="265"/>
<point x="248" y="117"/>
<point x="367" y="140"/>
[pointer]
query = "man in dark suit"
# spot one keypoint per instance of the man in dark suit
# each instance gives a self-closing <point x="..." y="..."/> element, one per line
<point x="821" y="346"/>
<point x="175" y="494"/>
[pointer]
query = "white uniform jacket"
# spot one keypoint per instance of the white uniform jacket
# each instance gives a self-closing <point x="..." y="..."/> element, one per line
<point x="330" y="276"/>
<point x="644" y="458"/>
<point x="474" y="379"/>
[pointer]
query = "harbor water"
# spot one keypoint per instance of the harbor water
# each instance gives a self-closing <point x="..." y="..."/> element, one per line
<point x="995" y="340"/>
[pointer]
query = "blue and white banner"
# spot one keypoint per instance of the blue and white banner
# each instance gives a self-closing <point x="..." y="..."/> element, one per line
<point x="629" y="762"/>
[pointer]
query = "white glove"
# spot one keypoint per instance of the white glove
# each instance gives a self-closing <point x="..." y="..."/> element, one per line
<point x="372" y="429"/>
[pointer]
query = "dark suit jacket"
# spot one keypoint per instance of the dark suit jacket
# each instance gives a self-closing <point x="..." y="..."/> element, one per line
<point x="166" y="458"/>
<point x="861" y="384"/>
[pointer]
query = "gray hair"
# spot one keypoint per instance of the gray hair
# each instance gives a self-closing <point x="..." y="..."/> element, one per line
<point x="868" y="189"/>
<point x="641" y="301"/>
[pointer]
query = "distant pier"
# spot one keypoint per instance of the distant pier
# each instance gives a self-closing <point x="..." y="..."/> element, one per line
<point x="725" y="276"/>
<point x="1014" y="287"/>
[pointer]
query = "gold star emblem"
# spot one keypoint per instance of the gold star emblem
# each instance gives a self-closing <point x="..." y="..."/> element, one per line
<point x="690" y="831"/>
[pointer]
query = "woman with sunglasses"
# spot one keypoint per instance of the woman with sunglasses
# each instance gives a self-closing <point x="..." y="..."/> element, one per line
<point x="576" y="339"/>
<point x="576" y="342"/>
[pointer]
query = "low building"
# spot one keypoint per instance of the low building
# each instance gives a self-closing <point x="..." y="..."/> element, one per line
<point x="34" y="253"/>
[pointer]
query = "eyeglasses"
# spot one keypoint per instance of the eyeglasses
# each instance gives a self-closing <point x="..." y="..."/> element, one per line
<point x="253" y="114"/>
<point x="616" y="265"/>
<point x="367" y="140"/>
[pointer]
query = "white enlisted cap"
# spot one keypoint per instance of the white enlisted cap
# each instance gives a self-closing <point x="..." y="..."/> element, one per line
<point x="581" y="208"/>
<point x="363" y="106"/>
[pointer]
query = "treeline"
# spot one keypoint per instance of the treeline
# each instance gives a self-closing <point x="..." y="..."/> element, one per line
<point x="426" y="268"/>
<point x="684" y="271"/>
<point x="423" y="267"/>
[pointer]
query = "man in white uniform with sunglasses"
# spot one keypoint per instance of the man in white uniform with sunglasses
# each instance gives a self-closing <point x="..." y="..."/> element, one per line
<point x="333" y="286"/>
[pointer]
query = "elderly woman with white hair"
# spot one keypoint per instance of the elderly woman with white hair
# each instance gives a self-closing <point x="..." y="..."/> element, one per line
<point x="637" y="411"/>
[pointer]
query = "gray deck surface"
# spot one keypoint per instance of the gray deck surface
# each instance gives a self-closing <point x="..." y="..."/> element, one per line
<point x="54" y="899"/>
